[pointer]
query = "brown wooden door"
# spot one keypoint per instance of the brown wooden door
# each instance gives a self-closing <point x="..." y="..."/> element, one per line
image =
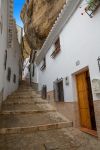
<point x="82" y="89"/>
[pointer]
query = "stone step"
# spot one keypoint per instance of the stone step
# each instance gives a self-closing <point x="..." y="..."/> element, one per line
<point x="12" y="107"/>
<point x="25" y="90"/>
<point x="23" y="96"/>
<point x="32" y="122"/>
<point x="26" y="107"/>
<point x="24" y="102"/>
<point x="24" y="112"/>
<point x="25" y="93"/>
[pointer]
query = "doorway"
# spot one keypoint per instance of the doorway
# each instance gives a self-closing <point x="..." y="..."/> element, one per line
<point x="58" y="90"/>
<point x="44" y="92"/>
<point x="85" y="100"/>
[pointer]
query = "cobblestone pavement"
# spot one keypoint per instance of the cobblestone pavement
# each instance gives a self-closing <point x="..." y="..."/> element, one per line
<point x="30" y="111"/>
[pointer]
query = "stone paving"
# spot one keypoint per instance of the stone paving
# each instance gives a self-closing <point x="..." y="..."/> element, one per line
<point x="30" y="123"/>
<point x="62" y="139"/>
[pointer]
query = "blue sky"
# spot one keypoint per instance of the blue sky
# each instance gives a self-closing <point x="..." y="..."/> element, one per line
<point x="18" y="4"/>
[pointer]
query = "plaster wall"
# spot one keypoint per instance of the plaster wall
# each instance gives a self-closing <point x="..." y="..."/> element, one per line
<point x="13" y="61"/>
<point x="3" y="41"/>
<point x="80" y="43"/>
<point x="13" y="55"/>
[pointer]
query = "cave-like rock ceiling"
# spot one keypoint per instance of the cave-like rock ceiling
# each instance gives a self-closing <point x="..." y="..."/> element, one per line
<point x="38" y="17"/>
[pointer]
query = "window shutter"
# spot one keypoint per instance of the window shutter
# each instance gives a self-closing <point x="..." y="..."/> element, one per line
<point x="57" y="45"/>
<point x="57" y="48"/>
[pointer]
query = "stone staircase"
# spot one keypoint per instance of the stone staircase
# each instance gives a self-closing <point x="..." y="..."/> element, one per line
<point x="28" y="122"/>
<point x="24" y="111"/>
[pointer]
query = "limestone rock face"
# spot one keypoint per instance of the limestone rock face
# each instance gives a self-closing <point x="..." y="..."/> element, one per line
<point x="38" y="17"/>
<point x="26" y="48"/>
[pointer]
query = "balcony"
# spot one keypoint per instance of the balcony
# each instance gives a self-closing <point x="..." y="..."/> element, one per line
<point x="92" y="7"/>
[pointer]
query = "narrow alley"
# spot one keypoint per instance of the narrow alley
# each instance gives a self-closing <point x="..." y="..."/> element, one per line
<point x="29" y="122"/>
<point x="50" y="75"/>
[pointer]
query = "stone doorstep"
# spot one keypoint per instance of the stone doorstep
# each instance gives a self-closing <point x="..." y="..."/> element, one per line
<point x="20" y="130"/>
<point x="26" y="112"/>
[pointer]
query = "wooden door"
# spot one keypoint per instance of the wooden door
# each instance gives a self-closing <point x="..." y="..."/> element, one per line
<point x="84" y="109"/>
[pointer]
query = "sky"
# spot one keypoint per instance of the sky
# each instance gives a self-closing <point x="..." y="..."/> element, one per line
<point x="18" y="5"/>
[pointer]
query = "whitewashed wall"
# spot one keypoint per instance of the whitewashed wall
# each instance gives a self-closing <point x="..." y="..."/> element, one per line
<point x="80" y="41"/>
<point x="12" y="62"/>
<point x="3" y="40"/>
<point x="35" y="77"/>
<point x="13" y="55"/>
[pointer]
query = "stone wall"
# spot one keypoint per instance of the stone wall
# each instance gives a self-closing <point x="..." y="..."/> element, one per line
<point x="97" y="115"/>
<point x="65" y="108"/>
<point x="71" y="111"/>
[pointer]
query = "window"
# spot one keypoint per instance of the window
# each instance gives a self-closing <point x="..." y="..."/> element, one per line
<point x="44" y="64"/>
<point x="9" y="74"/>
<point x="57" y="48"/>
<point x="14" y="78"/>
<point x="5" y="60"/>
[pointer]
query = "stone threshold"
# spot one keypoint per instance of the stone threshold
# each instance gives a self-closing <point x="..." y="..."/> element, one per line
<point x="21" y="130"/>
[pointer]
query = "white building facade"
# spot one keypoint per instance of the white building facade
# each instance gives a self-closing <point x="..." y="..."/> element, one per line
<point x="79" y="55"/>
<point x="9" y="51"/>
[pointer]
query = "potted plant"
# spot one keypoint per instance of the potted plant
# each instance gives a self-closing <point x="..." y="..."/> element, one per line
<point x="92" y="7"/>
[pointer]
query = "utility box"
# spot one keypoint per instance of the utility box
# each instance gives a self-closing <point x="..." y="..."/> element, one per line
<point x="96" y="86"/>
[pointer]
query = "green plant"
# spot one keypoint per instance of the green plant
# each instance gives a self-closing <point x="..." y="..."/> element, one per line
<point x="91" y="3"/>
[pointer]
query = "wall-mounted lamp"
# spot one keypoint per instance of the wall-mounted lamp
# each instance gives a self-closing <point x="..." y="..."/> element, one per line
<point x="98" y="62"/>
